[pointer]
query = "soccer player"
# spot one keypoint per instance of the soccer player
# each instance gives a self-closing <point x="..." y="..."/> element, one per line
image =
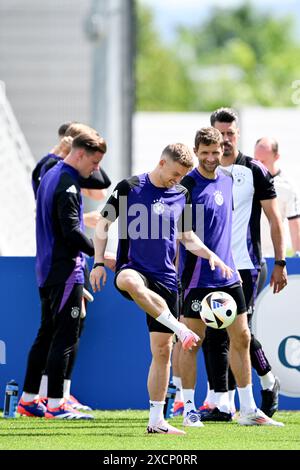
<point x="253" y="190"/>
<point x="145" y="270"/>
<point x="211" y="190"/>
<point x="93" y="187"/>
<point x="266" y="151"/>
<point x="60" y="273"/>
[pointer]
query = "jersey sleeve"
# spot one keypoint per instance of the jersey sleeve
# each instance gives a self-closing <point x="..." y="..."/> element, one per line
<point x="36" y="174"/>
<point x="263" y="182"/>
<point x="98" y="180"/>
<point x="68" y="211"/>
<point x="185" y="221"/>
<point x="111" y="210"/>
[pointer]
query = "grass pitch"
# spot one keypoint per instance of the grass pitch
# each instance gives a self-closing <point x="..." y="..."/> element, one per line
<point x="125" y="430"/>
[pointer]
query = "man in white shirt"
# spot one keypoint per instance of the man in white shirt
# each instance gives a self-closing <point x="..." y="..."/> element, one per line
<point x="266" y="151"/>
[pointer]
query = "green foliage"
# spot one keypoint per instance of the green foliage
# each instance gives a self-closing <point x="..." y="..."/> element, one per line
<point x="237" y="57"/>
<point x="162" y="82"/>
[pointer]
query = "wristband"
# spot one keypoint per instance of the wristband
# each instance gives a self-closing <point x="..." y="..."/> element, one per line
<point x="280" y="262"/>
<point x="98" y="264"/>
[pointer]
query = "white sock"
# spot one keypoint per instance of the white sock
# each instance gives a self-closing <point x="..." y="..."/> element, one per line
<point x="210" y="397"/>
<point x="222" y="401"/>
<point x="167" y="319"/>
<point x="43" y="392"/>
<point x="178" y="384"/>
<point x="267" y="381"/>
<point x="55" y="402"/>
<point x="156" y="414"/>
<point x="231" y="395"/>
<point x="189" y="400"/>
<point x="247" y="403"/>
<point x="67" y="388"/>
<point x="29" y="397"/>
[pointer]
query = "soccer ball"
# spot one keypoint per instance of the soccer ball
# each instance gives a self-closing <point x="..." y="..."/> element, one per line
<point x="218" y="310"/>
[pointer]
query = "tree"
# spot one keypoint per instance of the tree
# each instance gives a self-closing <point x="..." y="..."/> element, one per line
<point x="243" y="57"/>
<point x="162" y="81"/>
<point x="239" y="56"/>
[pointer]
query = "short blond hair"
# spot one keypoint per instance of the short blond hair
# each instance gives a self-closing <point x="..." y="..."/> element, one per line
<point x="179" y="153"/>
<point x="77" y="128"/>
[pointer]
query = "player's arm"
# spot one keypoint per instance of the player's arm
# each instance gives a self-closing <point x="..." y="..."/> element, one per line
<point x="95" y="194"/>
<point x="279" y="274"/>
<point x="95" y="185"/>
<point x="193" y="244"/>
<point x="68" y="210"/>
<point x="98" y="273"/>
<point x="271" y="209"/>
<point x="108" y="215"/>
<point x="266" y="194"/>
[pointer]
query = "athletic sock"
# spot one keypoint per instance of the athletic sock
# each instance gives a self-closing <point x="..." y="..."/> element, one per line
<point x="189" y="400"/>
<point x="267" y="381"/>
<point x="178" y="384"/>
<point x="167" y="319"/>
<point x="247" y="403"/>
<point x="43" y="391"/>
<point x="156" y="412"/>
<point x="55" y="402"/>
<point x="27" y="397"/>
<point x="231" y="396"/>
<point x="67" y="388"/>
<point x="210" y="397"/>
<point x="222" y="401"/>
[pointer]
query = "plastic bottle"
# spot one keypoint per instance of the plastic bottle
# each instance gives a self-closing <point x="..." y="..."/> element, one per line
<point x="170" y="399"/>
<point x="11" y="399"/>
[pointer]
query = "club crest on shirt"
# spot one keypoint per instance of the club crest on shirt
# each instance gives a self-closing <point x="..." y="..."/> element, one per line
<point x="239" y="179"/>
<point x="219" y="198"/>
<point x="158" y="206"/>
<point x="75" y="312"/>
<point x="196" y="305"/>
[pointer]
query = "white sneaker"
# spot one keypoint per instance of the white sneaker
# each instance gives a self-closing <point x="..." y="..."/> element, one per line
<point x="193" y="420"/>
<point x="163" y="427"/>
<point x="188" y="339"/>
<point x="257" y="418"/>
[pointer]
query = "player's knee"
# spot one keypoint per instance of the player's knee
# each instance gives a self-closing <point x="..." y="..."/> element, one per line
<point x="162" y="352"/>
<point x="242" y="340"/>
<point x="127" y="283"/>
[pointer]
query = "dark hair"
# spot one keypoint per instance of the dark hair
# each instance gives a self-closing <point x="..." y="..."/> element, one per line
<point x="274" y="145"/>
<point x="179" y="153"/>
<point x="208" y="136"/>
<point x="223" y="115"/>
<point x="91" y="142"/>
<point x="63" y="127"/>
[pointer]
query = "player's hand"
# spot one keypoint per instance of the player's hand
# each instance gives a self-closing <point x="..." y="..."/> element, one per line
<point x="214" y="261"/>
<point x="98" y="278"/>
<point x="278" y="279"/>
<point x="91" y="218"/>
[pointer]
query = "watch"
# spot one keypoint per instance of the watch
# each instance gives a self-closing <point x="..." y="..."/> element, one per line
<point x="280" y="262"/>
<point x="98" y="264"/>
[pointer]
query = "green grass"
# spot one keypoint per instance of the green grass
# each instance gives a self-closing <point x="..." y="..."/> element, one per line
<point x="125" y="430"/>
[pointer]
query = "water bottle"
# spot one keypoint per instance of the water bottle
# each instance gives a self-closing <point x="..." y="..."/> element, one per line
<point x="11" y="399"/>
<point x="170" y="399"/>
